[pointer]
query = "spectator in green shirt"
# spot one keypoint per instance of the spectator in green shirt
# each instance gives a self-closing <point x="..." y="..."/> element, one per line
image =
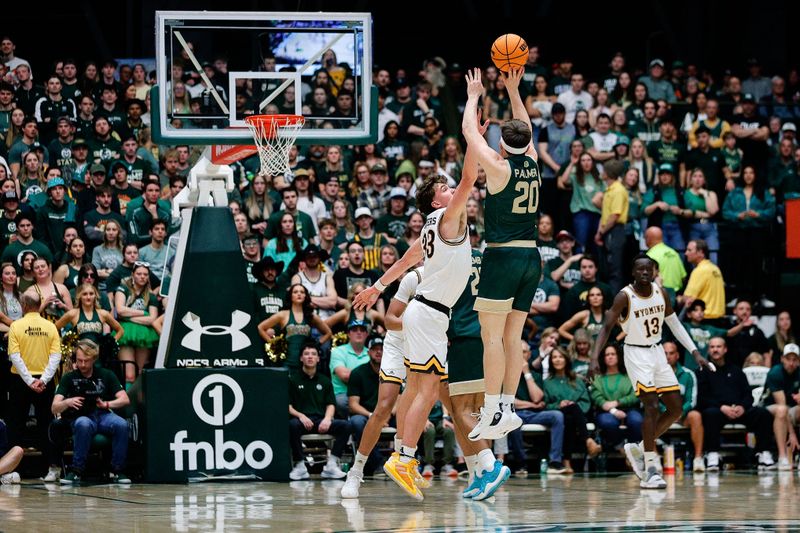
<point x="311" y="409"/>
<point x="670" y="263"/>
<point x="783" y="384"/>
<point x="583" y="179"/>
<point x="615" y="400"/>
<point x="563" y="391"/>
<point x="701" y="332"/>
<point x="690" y="417"/>
<point x="663" y="207"/>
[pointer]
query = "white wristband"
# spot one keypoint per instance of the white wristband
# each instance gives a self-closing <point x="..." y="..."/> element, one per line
<point x="528" y="375"/>
<point x="380" y="286"/>
<point x="613" y="410"/>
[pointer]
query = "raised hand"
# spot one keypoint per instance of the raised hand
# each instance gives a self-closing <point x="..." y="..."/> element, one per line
<point x="513" y="78"/>
<point x="474" y="83"/>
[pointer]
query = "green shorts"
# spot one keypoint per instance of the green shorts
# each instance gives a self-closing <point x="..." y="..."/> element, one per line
<point x="465" y="365"/>
<point x="509" y="278"/>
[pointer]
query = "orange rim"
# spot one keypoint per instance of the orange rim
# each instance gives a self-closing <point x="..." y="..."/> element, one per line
<point x="268" y="125"/>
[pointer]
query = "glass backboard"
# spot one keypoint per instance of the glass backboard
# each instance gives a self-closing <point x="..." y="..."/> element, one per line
<point x="215" y="68"/>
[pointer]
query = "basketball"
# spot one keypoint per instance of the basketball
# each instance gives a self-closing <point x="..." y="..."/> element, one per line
<point x="509" y="52"/>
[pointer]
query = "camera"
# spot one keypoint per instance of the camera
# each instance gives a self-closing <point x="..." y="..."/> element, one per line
<point x="88" y="389"/>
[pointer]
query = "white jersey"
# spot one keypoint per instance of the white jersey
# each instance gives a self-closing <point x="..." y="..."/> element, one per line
<point x="317" y="288"/>
<point x="645" y="318"/>
<point x="405" y="292"/>
<point x="448" y="264"/>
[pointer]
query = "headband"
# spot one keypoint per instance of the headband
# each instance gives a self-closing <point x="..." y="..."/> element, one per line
<point x="511" y="149"/>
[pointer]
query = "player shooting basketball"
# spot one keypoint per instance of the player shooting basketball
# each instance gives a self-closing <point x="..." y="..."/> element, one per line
<point x="511" y="263"/>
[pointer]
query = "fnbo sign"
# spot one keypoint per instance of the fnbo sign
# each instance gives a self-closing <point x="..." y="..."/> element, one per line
<point x="215" y="422"/>
<point x="257" y="454"/>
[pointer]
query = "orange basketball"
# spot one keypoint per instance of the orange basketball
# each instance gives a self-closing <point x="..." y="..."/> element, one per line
<point x="509" y="52"/>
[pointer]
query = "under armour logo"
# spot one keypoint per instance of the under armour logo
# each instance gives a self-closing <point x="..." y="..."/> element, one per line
<point x="239" y="340"/>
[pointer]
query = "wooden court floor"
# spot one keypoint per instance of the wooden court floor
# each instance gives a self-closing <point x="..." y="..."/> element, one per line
<point x="730" y="501"/>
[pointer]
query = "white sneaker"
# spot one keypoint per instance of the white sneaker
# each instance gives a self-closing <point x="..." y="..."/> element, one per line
<point x="299" y="472"/>
<point x="427" y="471"/>
<point x="511" y="420"/>
<point x="698" y="465"/>
<point x="712" y="462"/>
<point x="12" y="478"/>
<point x="352" y="484"/>
<point x="53" y="474"/>
<point x="784" y="465"/>
<point x="487" y="426"/>
<point x="332" y="470"/>
<point x="635" y="455"/>
<point x="766" y="303"/>
<point x="765" y="461"/>
<point x="653" y="480"/>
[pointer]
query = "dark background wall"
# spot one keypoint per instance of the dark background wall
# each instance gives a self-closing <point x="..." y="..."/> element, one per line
<point x="715" y="33"/>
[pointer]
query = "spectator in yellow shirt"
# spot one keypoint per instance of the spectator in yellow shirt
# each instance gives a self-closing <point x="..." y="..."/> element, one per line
<point x="705" y="281"/>
<point x="613" y="217"/>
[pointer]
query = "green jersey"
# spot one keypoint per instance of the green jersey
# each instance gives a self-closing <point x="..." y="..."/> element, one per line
<point x="464" y="319"/>
<point x="512" y="214"/>
<point x="701" y="334"/>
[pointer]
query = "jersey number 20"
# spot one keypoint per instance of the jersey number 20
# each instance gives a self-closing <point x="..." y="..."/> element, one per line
<point x="528" y="201"/>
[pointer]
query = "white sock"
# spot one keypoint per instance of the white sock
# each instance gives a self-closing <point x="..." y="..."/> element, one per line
<point x="491" y="402"/>
<point x="472" y="464"/>
<point x="650" y="459"/>
<point x="507" y="400"/>
<point x="485" y="461"/>
<point x="359" y="462"/>
<point x="398" y="443"/>
<point x="407" y="454"/>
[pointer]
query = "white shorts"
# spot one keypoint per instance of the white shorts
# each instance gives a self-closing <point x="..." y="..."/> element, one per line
<point x="393" y="369"/>
<point x="425" y="330"/>
<point x="649" y="370"/>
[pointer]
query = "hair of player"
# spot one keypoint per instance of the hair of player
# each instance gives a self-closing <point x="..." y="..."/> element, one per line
<point x="427" y="192"/>
<point x="644" y="256"/>
<point x="516" y="133"/>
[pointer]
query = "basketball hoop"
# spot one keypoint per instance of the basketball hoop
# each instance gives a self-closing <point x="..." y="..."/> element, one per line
<point x="274" y="135"/>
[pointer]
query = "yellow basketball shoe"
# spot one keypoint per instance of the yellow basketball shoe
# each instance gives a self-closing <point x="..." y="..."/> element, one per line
<point x="419" y="480"/>
<point x="404" y="475"/>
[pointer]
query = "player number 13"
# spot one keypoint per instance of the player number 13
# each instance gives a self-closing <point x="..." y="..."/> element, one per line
<point x="528" y="200"/>
<point x="651" y="326"/>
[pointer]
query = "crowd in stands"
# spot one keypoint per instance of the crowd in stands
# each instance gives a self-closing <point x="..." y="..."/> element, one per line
<point x="692" y="167"/>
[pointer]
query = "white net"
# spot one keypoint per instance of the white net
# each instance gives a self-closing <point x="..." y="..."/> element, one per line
<point x="274" y="135"/>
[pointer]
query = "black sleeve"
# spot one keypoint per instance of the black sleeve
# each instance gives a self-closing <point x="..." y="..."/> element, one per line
<point x="702" y="390"/>
<point x="339" y="283"/>
<point x="544" y="136"/>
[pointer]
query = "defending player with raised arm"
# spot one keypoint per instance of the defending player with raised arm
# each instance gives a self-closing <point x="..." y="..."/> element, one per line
<point x="642" y="309"/>
<point x="454" y="221"/>
<point x="511" y="262"/>
<point x="445" y="248"/>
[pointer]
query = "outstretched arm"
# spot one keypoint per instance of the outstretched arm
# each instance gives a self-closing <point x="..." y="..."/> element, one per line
<point x="454" y="220"/>
<point x="369" y="296"/>
<point x="512" y="81"/>
<point x="494" y="165"/>
<point x="612" y="317"/>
